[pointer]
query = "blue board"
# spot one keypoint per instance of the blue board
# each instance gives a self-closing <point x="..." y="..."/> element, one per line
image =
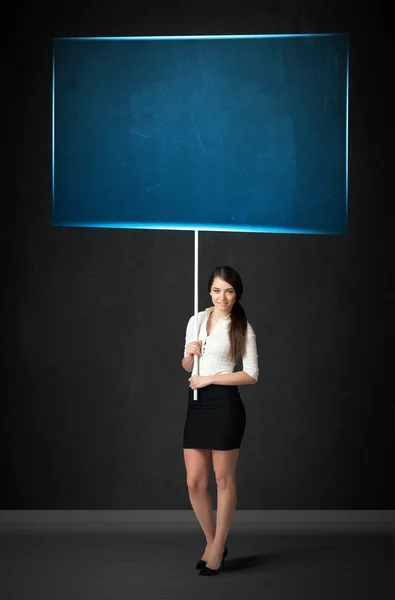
<point x="237" y="133"/>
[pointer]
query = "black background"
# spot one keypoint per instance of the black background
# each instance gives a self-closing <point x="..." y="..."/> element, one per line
<point x="94" y="319"/>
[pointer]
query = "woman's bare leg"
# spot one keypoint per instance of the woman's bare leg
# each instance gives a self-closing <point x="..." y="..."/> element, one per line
<point x="224" y="462"/>
<point x="198" y="464"/>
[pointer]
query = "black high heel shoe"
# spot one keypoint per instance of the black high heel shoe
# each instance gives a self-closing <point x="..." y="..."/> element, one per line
<point x="207" y="571"/>
<point x="202" y="563"/>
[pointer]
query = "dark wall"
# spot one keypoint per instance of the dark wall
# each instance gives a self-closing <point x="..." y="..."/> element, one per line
<point x="96" y="393"/>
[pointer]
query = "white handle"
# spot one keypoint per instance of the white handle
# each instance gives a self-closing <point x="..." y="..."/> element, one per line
<point x="195" y="370"/>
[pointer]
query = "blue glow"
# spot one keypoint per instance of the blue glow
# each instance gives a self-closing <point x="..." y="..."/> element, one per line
<point x="200" y="37"/>
<point x="193" y="227"/>
<point x="347" y="113"/>
<point x="53" y="131"/>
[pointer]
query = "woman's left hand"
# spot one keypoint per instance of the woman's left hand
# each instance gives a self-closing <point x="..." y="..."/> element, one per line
<point x="199" y="381"/>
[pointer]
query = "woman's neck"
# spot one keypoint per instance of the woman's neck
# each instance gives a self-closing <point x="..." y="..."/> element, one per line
<point x="217" y="317"/>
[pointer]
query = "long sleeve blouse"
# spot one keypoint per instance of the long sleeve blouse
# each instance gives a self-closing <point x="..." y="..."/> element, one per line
<point x="216" y="348"/>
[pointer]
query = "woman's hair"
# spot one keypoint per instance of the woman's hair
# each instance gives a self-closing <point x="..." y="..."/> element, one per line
<point x="238" y="326"/>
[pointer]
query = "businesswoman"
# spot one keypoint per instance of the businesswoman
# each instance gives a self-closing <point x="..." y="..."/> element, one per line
<point x="215" y="422"/>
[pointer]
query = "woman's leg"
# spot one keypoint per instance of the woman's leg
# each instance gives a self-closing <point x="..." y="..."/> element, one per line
<point x="198" y="464"/>
<point x="224" y="462"/>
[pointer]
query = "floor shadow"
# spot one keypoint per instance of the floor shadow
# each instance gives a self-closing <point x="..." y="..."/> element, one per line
<point x="274" y="559"/>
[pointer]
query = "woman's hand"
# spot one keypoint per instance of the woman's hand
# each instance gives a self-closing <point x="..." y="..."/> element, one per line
<point x="194" y="348"/>
<point x="199" y="381"/>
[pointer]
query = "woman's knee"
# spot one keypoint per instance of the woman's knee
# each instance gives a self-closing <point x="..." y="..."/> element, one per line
<point x="224" y="463"/>
<point x="198" y="464"/>
<point x="225" y="480"/>
<point x="197" y="485"/>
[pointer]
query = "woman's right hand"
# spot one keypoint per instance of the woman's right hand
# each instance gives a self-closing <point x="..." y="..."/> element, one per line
<point x="194" y="348"/>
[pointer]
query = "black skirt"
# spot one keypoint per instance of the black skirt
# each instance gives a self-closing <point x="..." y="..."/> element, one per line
<point x="216" y="420"/>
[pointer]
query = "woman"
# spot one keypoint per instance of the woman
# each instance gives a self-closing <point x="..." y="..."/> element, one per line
<point x="215" y="422"/>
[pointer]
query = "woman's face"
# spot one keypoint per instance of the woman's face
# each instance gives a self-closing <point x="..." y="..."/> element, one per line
<point x="223" y="295"/>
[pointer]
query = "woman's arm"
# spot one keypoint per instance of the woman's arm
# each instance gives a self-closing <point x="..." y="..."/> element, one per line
<point x="250" y="358"/>
<point x="237" y="378"/>
<point x="187" y="363"/>
<point x="191" y="347"/>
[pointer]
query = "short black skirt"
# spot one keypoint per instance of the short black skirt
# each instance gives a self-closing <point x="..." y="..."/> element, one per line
<point x="216" y="420"/>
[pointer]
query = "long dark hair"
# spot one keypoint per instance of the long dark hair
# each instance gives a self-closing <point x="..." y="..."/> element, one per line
<point x="238" y="326"/>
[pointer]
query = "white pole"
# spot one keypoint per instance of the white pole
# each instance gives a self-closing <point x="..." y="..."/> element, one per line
<point x="195" y="370"/>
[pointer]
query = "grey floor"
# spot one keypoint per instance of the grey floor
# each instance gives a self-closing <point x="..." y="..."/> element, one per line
<point x="153" y="564"/>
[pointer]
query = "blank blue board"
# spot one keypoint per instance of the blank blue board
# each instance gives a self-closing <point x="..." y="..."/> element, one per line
<point x="233" y="133"/>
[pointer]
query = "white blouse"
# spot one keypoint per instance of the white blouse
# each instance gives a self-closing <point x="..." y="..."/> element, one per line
<point x="216" y="349"/>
